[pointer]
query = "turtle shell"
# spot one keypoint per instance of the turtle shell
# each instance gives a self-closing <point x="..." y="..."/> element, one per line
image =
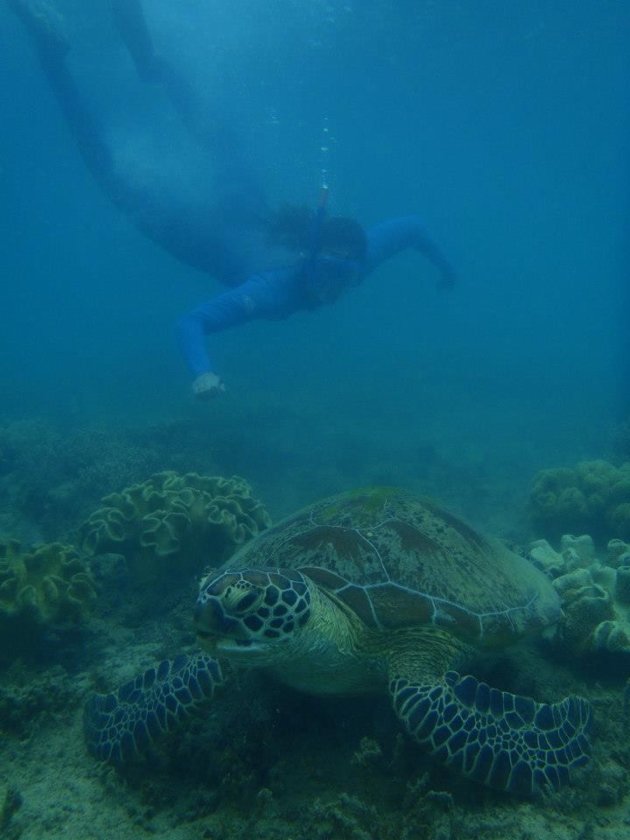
<point x="398" y="560"/>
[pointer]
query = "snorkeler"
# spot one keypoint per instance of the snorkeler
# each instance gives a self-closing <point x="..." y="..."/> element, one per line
<point x="334" y="254"/>
<point x="275" y="263"/>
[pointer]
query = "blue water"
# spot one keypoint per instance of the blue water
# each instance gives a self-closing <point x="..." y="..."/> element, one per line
<point x="503" y="124"/>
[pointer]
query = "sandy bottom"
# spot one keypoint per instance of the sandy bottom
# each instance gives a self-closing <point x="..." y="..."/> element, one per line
<point x="266" y="762"/>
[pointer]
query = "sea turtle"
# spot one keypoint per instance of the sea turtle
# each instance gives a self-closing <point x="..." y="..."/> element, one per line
<point x="372" y="591"/>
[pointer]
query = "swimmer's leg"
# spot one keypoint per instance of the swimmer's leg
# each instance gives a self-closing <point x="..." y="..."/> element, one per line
<point x="44" y="25"/>
<point x="181" y="231"/>
<point x="207" y="129"/>
<point x="130" y="22"/>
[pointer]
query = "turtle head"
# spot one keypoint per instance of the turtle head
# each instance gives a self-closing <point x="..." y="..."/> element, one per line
<point x="251" y="615"/>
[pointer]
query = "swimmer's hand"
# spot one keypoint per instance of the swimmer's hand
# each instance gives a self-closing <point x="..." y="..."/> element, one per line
<point x="448" y="278"/>
<point x="207" y="385"/>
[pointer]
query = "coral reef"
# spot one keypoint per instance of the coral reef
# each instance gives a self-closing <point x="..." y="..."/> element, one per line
<point x="595" y="593"/>
<point x="31" y="694"/>
<point x="10" y="803"/>
<point x="174" y="523"/>
<point x="621" y="440"/>
<point x="51" y="479"/>
<point x="592" y="498"/>
<point x="49" y="584"/>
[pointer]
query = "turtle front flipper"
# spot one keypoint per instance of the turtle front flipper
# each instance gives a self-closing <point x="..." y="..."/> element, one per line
<point x="500" y="739"/>
<point x="122" y="725"/>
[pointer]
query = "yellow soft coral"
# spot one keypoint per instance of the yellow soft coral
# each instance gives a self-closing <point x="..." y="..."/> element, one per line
<point x="174" y="523"/>
<point x="47" y="584"/>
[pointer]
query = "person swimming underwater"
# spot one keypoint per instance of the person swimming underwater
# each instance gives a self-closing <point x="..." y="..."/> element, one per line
<point x="274" y="263"/>
<point x="336" y="254"/>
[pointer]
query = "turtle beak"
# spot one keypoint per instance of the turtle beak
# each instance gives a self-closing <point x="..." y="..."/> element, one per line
<point x="211" y="622"/>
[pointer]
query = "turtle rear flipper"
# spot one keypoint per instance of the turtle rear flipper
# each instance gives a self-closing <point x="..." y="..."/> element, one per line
<point x="122" y="725"/>
<point x="503" y="740"/>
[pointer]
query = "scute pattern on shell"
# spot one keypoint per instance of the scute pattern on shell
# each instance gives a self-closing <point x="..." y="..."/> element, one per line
<point x="398" y="560"/>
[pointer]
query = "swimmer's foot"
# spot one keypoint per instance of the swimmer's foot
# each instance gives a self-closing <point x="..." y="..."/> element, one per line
<point x="45" y="25"/>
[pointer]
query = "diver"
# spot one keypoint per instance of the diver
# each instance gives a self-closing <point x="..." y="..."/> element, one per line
<point x="275" y="263"/>
<point x="334" y="254"/>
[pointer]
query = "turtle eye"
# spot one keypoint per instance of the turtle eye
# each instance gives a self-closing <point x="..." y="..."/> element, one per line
<point x="247" y="601"/>
<point x="241" y="597"/>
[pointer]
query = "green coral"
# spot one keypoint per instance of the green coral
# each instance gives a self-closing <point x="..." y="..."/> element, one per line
<point x="50" y="583"/>
<point x="175" y="523"/>
<point x="593" y="498"/>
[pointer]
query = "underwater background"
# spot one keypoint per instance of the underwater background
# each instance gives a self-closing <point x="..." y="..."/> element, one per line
<point x="505" y="126"/>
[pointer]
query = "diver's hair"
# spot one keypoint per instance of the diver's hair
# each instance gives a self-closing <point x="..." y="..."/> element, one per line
<point x="292" y="228"/>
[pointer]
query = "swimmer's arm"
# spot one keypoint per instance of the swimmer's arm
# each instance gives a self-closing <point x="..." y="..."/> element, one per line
<point x="389" y="238"/>
<point x="262" y="295"/>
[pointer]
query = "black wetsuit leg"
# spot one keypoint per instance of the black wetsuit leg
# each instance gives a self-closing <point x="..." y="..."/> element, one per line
<point x="238" y="192"/>
<point x="239" y="203"/>
<point x="193" y="232"/>
<point x="207" y="233"/>
<point x="128" y="17"/>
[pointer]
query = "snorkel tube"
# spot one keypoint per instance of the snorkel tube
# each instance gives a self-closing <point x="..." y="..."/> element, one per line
<point x="315" y="243"/>
<point x="318" y="224"/>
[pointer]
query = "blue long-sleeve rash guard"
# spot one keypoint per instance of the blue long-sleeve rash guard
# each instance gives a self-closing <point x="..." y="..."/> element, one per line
<point x="278" y="293"/>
